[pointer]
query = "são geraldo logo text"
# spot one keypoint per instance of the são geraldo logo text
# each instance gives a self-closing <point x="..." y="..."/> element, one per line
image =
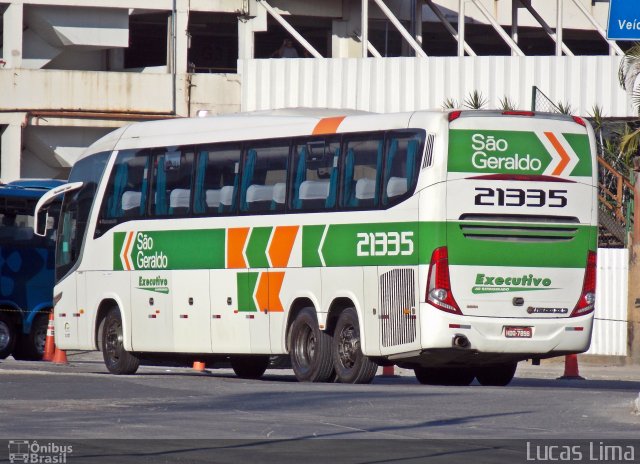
<point x="481" y="159"/>
<point x="139" y="253"/>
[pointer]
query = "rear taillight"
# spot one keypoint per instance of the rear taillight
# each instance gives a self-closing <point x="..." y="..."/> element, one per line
<point x="519" y="113"/>
<point x="438" y="283"/>
<point x="579" y="120"/>
<point x="588" y="296"/>
<point x="454" y="115"/>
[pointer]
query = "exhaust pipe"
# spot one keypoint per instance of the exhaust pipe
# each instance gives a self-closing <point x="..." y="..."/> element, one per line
<point x="460" y="341"/>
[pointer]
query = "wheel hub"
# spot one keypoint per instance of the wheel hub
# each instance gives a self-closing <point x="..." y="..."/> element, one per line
<point x="5" y="336"/>
<point x="348" y="346"/>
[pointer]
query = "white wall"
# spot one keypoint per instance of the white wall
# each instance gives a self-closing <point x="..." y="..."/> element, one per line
<point x="611" y="314"/>
<point x="405" y="84"/>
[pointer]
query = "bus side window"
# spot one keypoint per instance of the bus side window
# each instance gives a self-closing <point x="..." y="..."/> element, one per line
<point x="126" y="190"/>
<point x="172" y="179"/>
<point x="362" y="172"/>
<point x="401" y="166"/>
<point x="314" y="180"/>
<point x="216" y="181"/>
<point x="264" y="179"/>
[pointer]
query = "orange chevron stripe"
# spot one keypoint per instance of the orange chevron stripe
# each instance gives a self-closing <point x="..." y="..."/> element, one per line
<point x="262" y="292"/>
<point x="281" y="245"/>
<point x="236" y="239"/>
<point x="328" y="125"/>
<point x="275" y="285"/>
<point x="126" y="251"/>
<point x="565" y="158"/>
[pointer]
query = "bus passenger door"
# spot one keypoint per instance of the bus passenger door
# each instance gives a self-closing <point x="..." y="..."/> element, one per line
<point x="230" y="332"/>
<point x="191" y="328"/>
<point x="151" y="315"/>
<point x="81" y="316"/>
<point x="66" y="326"/>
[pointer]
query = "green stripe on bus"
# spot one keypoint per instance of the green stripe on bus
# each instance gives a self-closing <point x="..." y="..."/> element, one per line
<point x="246" y="282"/>
<point x="494" y="151"/>
<point x="580" y="145"/>
<point x="311" y="237"/>
<point x="257" y="247"/>
<point x="572" y="253"/>
<point x="172" y="249"/>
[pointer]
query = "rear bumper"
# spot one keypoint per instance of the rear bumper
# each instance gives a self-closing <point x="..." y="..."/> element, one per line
<point x="550" y="337"/>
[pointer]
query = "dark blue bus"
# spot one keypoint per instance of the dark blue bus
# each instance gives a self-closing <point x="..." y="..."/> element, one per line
<point x="27" y="266"/>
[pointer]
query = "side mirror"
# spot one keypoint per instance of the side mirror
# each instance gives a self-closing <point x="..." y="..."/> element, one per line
<point x="42" y="207"/>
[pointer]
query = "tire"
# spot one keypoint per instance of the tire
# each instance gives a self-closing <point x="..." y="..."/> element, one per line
<point x="310" y="349"/>
<point x="30" y="347"/>
<point x="350" y="364"/>
<point x="116" y="358"/>
<point x="496" y="376"/>
<point x="451" y="376"/>
<point x="8" y="335"/>
<point x="249" y="367"/>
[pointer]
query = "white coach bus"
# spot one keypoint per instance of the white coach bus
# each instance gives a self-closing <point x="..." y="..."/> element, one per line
<point x="452" y="243"/>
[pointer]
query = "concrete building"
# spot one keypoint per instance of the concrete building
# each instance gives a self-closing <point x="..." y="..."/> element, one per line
<point x="70" y="70"/>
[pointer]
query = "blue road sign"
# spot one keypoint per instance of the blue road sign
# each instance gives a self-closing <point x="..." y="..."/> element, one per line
<point x="624" y="20"/>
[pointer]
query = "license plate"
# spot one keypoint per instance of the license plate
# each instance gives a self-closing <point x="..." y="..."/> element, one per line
<point x="518" y="332"/>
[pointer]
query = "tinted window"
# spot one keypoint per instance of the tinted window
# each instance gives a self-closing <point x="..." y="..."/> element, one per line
<point x="264" y="178"/>
<point x="217" y="179"/>
<point x="75" y="211"/>
<point x="315" y="174"/>
<point x="402" y="164"/>
<point x="361" y="176"/>
<point x="172" y="179"/>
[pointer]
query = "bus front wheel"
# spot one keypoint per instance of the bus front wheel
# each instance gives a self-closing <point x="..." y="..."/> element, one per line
<point x="30" y="347"/>
<point x="351" y="365"/>
<point x="116" y="358"/>
<point x="310" y="349"/>
<point x="8" y="336"/>
<point x="249" y="367"/>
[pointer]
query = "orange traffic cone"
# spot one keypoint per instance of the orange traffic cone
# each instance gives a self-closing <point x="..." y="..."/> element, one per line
<point x="60" y="357"/>
<point x="571" y="371"/>
<point x="198" y="366"/>
<point x="49" y="344"/>
<point x="388" y="371"/>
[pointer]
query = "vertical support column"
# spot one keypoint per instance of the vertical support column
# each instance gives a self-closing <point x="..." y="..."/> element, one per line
<point x="461" y="4"/>
<point x="633" y="307"/>
<point x="180" y="57"/>
<point x="10" y="151"/>
<point x="247" y="25"/>
<point x="364" y="28"/>
<point x="559" y="20"/>
<point x="515" y="5"/>
<point x="418" y="25"/>
<point x="12" y="36"/>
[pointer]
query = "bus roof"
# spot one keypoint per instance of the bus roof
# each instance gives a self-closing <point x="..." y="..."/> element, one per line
<point x="290" y="122"/>
<point x="28" y="188"/>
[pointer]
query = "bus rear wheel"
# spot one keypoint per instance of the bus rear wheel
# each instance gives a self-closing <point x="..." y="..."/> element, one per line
<point x="8" y="335"/>
<point x="30" y="347"/>
<point x="452" y="376"/>
<point x="496" y="376"/>
<point x="351" y="365"/>
<point x="116" y="358"/>
<point x="310" y="349"/>
<point x="249" y="367"/>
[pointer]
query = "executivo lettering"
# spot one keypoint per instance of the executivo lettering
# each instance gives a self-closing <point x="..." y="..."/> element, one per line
<point x="501" y="284"/>
<point x="156" y="284"/>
